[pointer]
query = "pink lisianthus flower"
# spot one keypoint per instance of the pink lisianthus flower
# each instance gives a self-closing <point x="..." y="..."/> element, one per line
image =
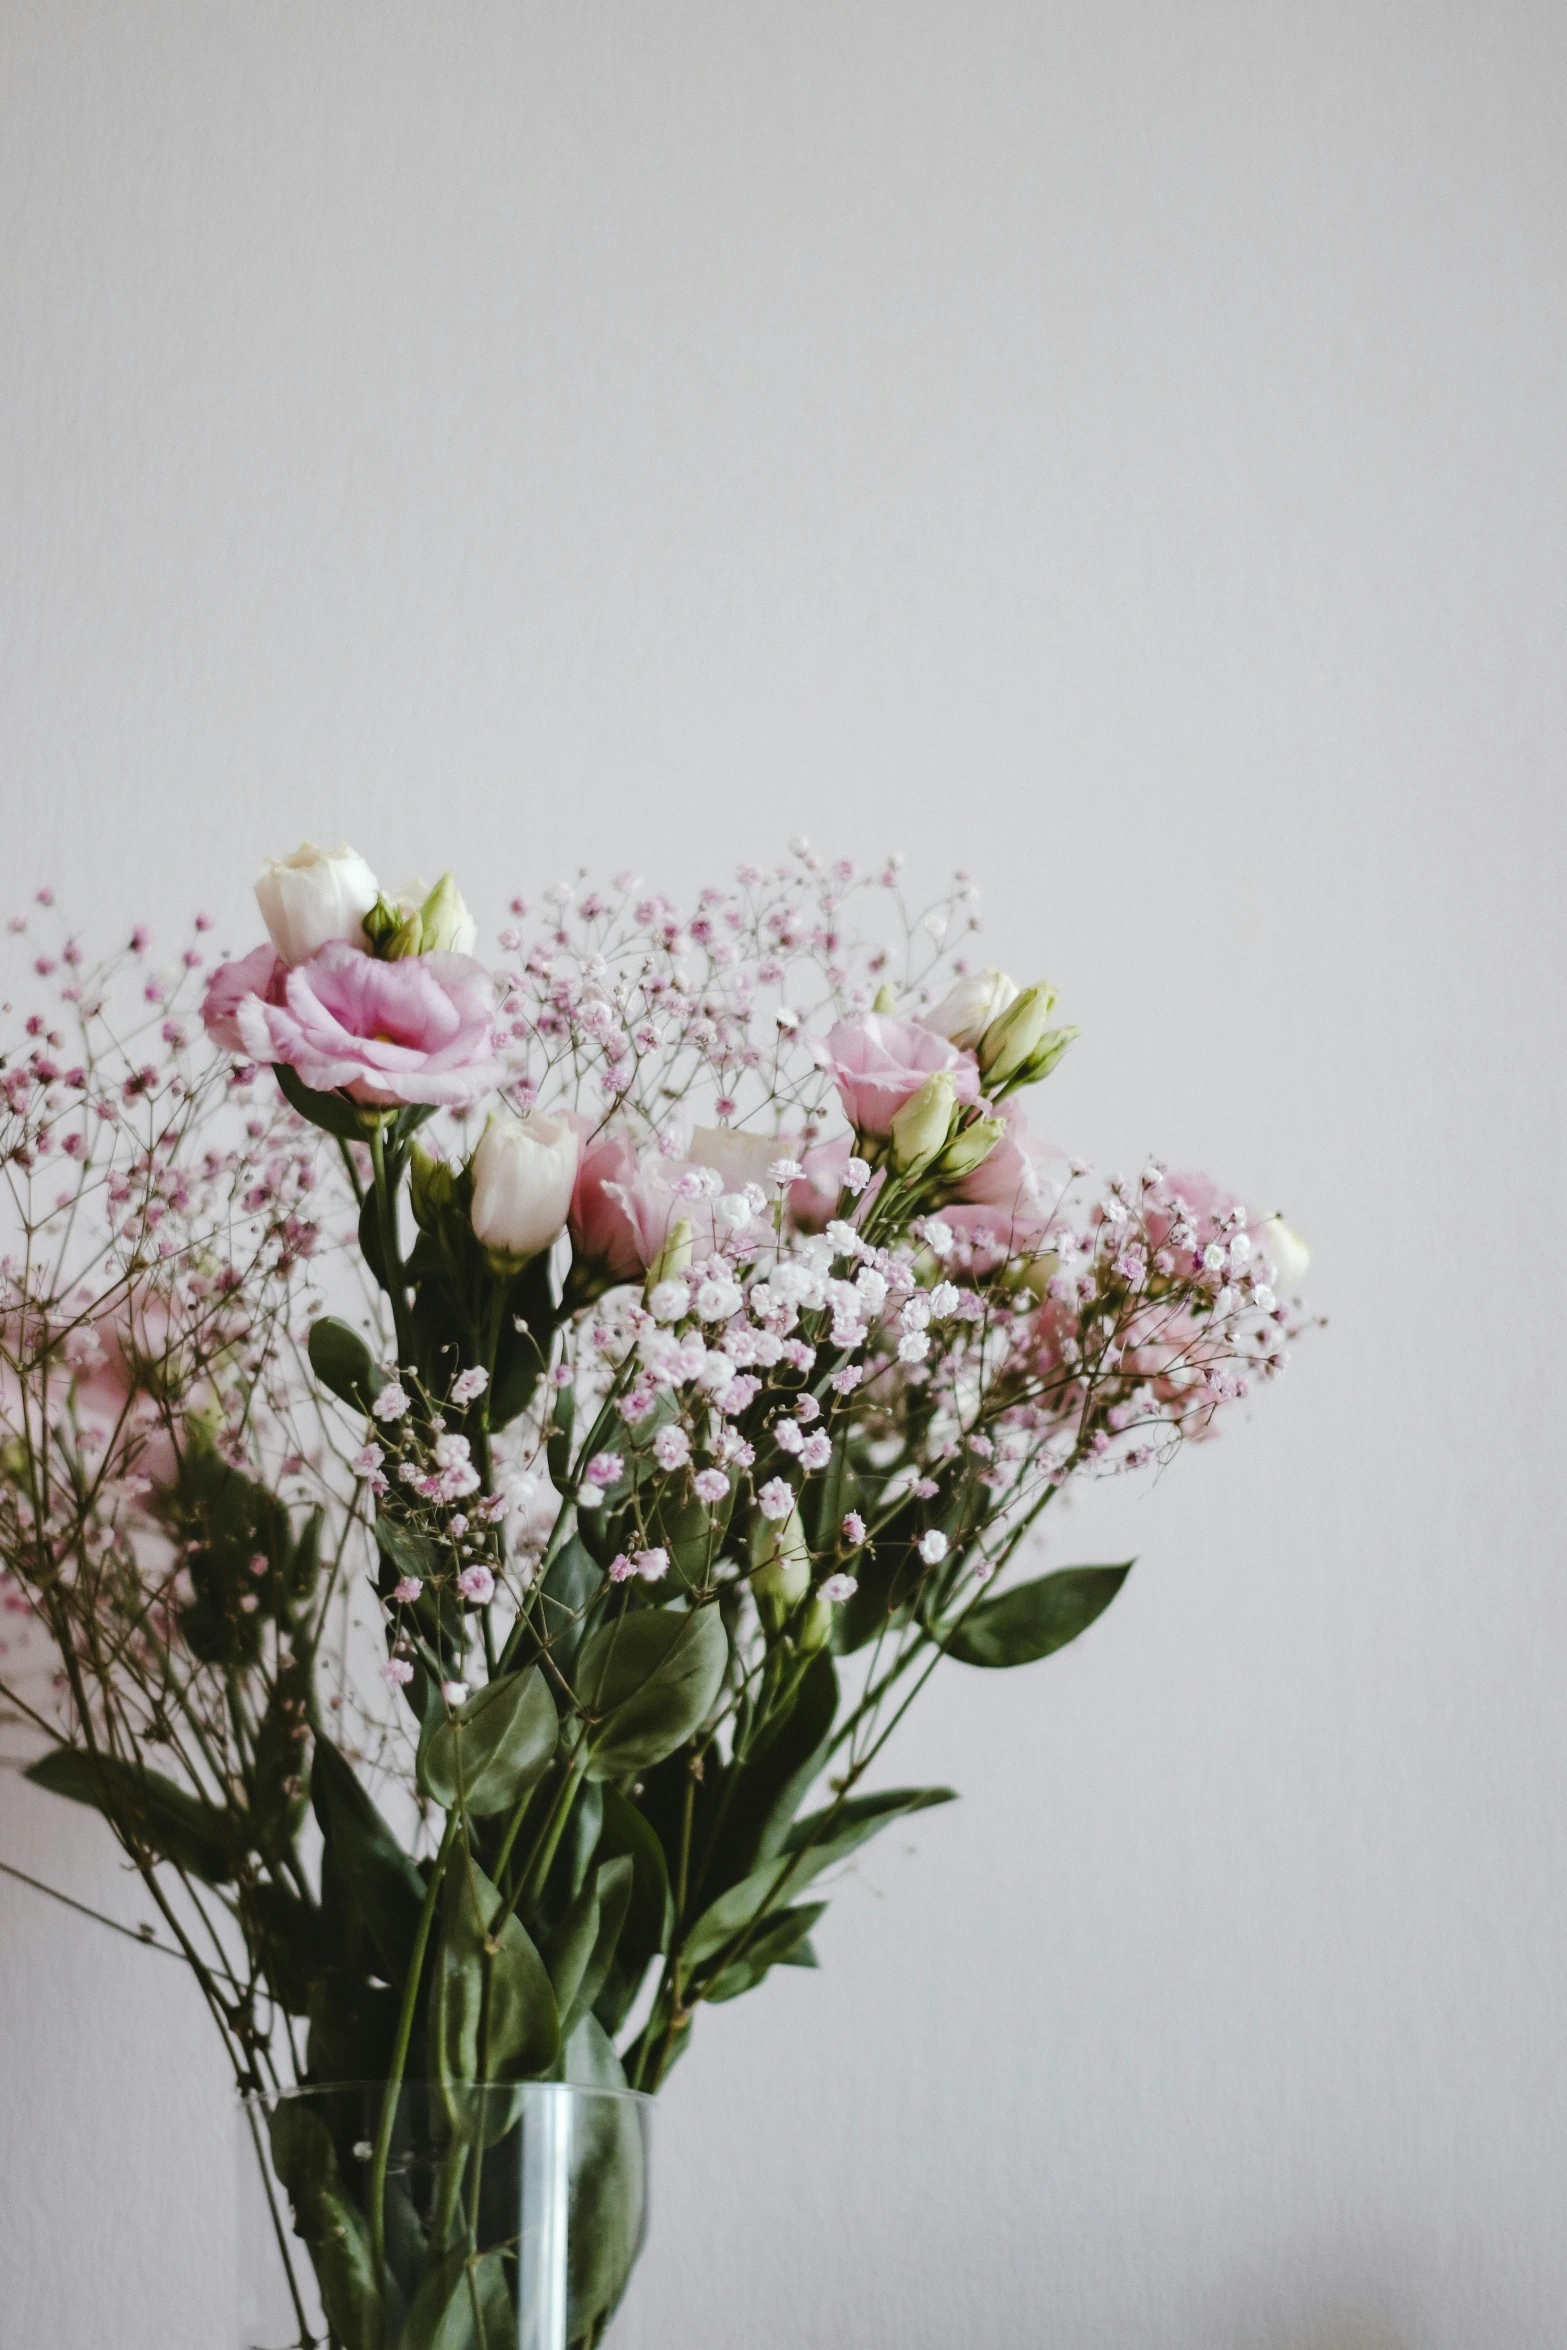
<point x="879" y="1061"/>
<point x="1003" y="1209"/>
<point x="260" y="973"/>
<point x="419" y="1030"/>
<point x="623" y="1207"/>
<point x="813" y="1200"/>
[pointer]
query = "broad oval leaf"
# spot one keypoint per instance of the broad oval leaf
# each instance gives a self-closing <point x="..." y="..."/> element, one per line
<point x="334" y="1113"/>
<point x="492" y="2012"/>
<point x="494" y="1747"/>
<point x="381" y="1878"/>
<point x="1032" y="1620"/>
<point x="648" y="1680"/>
<point x="342" y="1362"/>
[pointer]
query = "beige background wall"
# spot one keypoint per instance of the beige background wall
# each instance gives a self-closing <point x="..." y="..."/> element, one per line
<point x="1118" y="447"/>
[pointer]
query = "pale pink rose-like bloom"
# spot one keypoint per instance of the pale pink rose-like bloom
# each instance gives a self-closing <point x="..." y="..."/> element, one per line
<point x="1003" y="1209"/>
<point x="622" y="1208"/>
<point x="879" y="1061"/>
<point x="420" y="1030"/>
<point x="260" y="973"/>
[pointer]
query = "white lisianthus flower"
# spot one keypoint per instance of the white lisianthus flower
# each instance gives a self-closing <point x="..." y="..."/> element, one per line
<point x="966" y="1010"/>
<point x="523" y="1173"/>
<point x="315" y="896"/>
<point x="1286" y="1252"/>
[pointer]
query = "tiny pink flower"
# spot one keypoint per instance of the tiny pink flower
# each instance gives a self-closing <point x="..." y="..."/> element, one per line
<point x="651" y="1565"/>
<point x="672" y="1448"/>
<point x="391" y="1403"/>
<point x="854" y="1529"/>
<point x="469" y="1384"/>
<point x="838" y="1587"/>
<point x="605" y="1469"/>
<point x="620" y="1568"/>
<point x="776" y="1499"/>
<point x="710" y="1485"/>
<point x="406" y="1590"/>
<point x="398" y="1671"/>
<point x="816" y="1451"/>
<point x="478" y="1584"/>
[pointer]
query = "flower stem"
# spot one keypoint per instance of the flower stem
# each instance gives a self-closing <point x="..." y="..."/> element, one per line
<point x="405" y="2025"/>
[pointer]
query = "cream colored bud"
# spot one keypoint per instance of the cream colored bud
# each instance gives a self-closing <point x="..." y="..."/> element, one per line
<point x="438" y="923"/>
<point x="1013" y="1036"/>
<point x="970" y="1147"/>
<point x="886" y="998"/>
<point x="1286" y="1252"/>
<point x="967" y="1009"/>
<point x="315" y="896"/>
<point x="674" y="1258"/>
<point x="523" y="1173"/>
<point x="920" y="1129"/>
<point x="815" y="1626"/>
<point x="781" y="1569"/>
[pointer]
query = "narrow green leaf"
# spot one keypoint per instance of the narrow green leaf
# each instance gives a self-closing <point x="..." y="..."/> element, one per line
<point x="492" y="2010"/>
<point x="778" y="1941"/>
<point x="812" y="1845"/>
<point x="648" y="1680"/>
<point x="1032" y="1620"/>
<point x="166" y="1821"/>
<point x="379" y="1875"/>
<point x="327" y="2223"/>
<point x="497" y="1744"/>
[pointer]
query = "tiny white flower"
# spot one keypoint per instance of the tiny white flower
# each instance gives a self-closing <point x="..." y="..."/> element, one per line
<point x="785" y="1171"/>
<point x="668" y="1301"/>
<point x="391" y="1403"/>
<point x="943" y="1300"/>
<point x="717" y="1301"/>
<point x="913" y="1347"/>
<point x="454" y="1692"/>
<point x="938" y="1237"/>
<point x="933" y="1547"/>
<point x="838" y="1587"/>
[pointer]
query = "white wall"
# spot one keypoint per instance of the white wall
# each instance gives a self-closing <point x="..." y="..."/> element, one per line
<point x="1116" y="446"/>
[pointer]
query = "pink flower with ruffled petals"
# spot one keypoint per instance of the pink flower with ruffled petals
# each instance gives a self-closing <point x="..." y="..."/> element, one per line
<point x="260" y="973"/>
<point x="419" y="1030"/>
<point x="623" y="1207"/>
<point x="602" y="1233"/>
<point x="880" y="1061"/>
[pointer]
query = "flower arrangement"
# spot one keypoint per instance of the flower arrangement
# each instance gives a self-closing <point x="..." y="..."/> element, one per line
<point x="492" y="1456"/>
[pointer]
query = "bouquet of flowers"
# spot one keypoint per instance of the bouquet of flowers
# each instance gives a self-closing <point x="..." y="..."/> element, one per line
<point x="491" y="1455"/>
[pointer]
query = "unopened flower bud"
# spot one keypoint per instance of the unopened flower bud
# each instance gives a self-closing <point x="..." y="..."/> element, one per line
<point x="432" y="1183"/>
<point x="967" y="1009"/>
<point x="781" y="1569"/>
<point x="969" y="1147"/>
<point x="1286" y="1252"/>
<point x="434" y="925"/>
<point x="1013" y="1036"/>
<point x="523" y="1173"/>
<point x="674" y="1257"/>
<point x="921" y="1127"/>
<point x="814" y="1629"/>
<point x="886" y="998"/>
<point x="313" y="897"/>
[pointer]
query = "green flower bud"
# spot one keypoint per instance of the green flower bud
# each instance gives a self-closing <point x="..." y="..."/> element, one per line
<point x="920" y="1129"/>
<point x="381" y="925"/>
<point x="674" y="1257"/>
<point x="1049" y="1050"/>
<point x="432" y="1185"/>
<point x="1015" y="1034"/>
<point x="969" y="1147"/>
<point x="781" y="1569"/>
<point x="814" y="1629"/>
<point x="434" y="925"/>
<point x="886" y="998"/>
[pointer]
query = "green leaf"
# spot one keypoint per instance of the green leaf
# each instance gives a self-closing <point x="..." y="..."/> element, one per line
<point x="1035" y="1619"/>
<point x="584" y="1942"/>
<point x="497" y="1744"/>
<point x="492" y="2008"/>
<point x="648" y="1680"/>
<point x="563" y="1595"/>
<point x="377" y="1873"/>
<point x="769" y="1786"/>
<point x="327" y="2223"/>
<point x="342" y="1362"/>
<point x="334" y="1113"/>
<point x="151" y="1811"/>
<point x="443" y="2316"/>
<point x="778" y="1941"/>
<point x="608" y="2205"/>
<point x="813" y="1844"/>
<point x="410" y="1552"/>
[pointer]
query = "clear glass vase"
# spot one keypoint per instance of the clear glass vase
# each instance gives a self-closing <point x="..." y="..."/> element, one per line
<point x="441" y="2216"/>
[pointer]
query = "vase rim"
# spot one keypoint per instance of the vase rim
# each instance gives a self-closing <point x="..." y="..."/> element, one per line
<point x="297" y="2089"/>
